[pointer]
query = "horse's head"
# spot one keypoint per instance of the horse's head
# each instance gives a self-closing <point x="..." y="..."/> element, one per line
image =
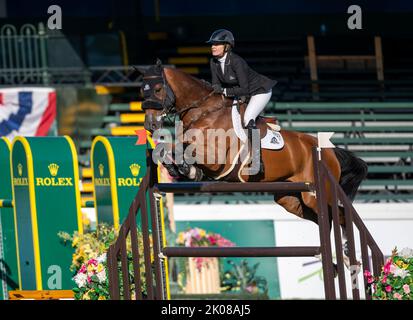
<point x="159" y="98"/>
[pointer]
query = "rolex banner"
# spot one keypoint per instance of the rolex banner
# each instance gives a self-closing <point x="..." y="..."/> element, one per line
<point x="27" y="111"/>
<point x="47" y="201"/>
<point x="118" y="168"/>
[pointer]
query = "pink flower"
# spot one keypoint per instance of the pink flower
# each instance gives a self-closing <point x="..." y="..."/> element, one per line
<point x="83" y="269"/>
<point x="388" y="288"/>
<point x="398" y="296"/>
<point x="368" y="276"/>
<point x="195" y="232"/>
<point x="89" y="279"/>
<point x="212" y="240"/>
<point x="386" y="268"/>
<point x="406" y="289"/>
<point x="199" y="263"/>
<point x="249" y="289"/>
<point x="93" y="261"/>
<point x="384" y="279"/>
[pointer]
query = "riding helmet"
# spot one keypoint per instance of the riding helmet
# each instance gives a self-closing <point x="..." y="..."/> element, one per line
<point x="222" y="36"/>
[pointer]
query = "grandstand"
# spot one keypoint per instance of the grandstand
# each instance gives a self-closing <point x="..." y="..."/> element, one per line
<point x="357" y="86"/>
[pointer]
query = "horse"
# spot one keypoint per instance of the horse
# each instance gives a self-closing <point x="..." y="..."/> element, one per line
<point x="168" y="90"/>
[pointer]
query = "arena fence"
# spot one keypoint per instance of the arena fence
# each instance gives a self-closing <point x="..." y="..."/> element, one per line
<point x="155" y="252"/>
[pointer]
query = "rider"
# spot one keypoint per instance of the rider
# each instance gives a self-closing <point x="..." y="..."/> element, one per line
<point x="232" y="77"/>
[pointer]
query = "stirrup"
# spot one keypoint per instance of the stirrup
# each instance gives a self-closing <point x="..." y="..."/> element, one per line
<point x="251" y="125"/>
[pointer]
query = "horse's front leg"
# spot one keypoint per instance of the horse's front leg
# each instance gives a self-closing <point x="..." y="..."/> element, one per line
<point x="183" y="170"/>
<point x="190" y="171"/>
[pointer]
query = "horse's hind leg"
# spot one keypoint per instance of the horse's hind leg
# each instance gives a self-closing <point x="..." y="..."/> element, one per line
<point x="290" y="203"/>
<point x="296" y="205"/>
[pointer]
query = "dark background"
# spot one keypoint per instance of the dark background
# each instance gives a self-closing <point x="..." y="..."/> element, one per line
<point x="191" y="22"/>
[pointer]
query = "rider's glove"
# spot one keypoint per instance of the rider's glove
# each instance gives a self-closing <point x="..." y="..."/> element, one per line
<point x="218" y="88"/>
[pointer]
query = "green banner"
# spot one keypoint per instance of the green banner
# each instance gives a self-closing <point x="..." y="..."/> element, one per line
<point x="118" y="167"/>
<point x="8" y="254"/>
<point x="47" y="200"/>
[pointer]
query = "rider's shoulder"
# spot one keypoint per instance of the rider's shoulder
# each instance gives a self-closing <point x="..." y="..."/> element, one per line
<point x="235" y="58"/>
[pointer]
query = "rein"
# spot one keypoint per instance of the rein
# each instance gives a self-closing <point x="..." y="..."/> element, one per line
<point x="194" y="104"/>
<point x="222" y="105"/>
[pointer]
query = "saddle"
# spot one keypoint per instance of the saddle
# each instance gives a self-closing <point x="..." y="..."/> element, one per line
<point x="262" y="122"/>
<point x="268" y="127"/>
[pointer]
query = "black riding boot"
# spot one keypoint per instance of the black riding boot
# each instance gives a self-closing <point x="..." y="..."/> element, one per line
<point x="255" y="152"/>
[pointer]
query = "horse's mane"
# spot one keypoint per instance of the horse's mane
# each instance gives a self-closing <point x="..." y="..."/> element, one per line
<point x="201" y="82"/>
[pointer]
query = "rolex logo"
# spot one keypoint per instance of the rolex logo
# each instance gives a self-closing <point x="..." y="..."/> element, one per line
<point x="20" y="169"/>
<point x="101" y="168"/>
<point x="134" y="169"/>
<point x="53" y="168"/>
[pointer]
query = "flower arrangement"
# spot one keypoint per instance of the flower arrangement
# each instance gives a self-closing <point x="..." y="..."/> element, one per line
<point x="197" y="237"/>
<point x="89" y="262"/>
<point x="91" y="280"/>
<point x="396" y="279"/>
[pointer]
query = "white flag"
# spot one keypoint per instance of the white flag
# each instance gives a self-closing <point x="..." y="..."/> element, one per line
<point x="324" y="140"/>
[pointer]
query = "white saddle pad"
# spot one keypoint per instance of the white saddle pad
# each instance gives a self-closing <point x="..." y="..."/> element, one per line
<point x="273" y="139"/>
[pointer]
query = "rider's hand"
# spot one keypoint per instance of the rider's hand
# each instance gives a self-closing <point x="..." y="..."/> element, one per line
<point x="218" y="88"/>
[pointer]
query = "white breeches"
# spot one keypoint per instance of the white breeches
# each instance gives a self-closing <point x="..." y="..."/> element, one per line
<point x="256" y="104"/>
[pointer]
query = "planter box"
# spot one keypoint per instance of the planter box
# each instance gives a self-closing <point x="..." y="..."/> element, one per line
<point x="203" y="281"/>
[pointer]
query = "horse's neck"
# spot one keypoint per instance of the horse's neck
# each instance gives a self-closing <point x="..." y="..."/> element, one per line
<point x="186" y="88"/>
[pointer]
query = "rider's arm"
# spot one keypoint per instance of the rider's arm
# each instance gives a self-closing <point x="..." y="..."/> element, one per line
<point x="241" y="70"/>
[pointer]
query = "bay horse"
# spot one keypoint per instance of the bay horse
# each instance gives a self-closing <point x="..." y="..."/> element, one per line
<point x="168" y="90"/>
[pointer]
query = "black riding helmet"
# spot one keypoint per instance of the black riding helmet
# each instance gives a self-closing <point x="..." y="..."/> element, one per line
<point x="222" y="36"/>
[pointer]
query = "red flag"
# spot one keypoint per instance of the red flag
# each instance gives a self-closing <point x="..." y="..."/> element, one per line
<point x="141" y="137"/>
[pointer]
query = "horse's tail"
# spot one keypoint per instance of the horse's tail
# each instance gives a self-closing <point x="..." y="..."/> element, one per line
<point x="353" y="171"/>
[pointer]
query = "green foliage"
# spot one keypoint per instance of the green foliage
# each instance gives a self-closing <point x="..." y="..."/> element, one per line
<point x="242" y="278"/>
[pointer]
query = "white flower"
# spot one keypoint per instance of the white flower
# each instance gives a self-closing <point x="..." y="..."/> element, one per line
<point x="101" y="276"/>
<point x="80" y="279"/>
<point x="398" y="272"/>
<point x="406" y="253"/>
<point x="101" y="258"/>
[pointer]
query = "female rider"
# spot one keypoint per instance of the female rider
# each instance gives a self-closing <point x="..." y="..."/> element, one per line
<point x="232" y="77"/>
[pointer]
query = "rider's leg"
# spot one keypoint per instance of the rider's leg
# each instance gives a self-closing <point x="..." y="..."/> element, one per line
<point x="256" y="104"/>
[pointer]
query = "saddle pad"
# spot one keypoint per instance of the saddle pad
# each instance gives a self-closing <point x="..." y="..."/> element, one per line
<point x="273" y="140"/>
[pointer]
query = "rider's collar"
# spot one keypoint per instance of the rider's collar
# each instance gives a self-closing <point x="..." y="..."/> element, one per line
<point x="223" y="58"/>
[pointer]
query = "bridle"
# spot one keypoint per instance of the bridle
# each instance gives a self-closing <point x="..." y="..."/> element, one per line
<point x="166" y="110"/>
